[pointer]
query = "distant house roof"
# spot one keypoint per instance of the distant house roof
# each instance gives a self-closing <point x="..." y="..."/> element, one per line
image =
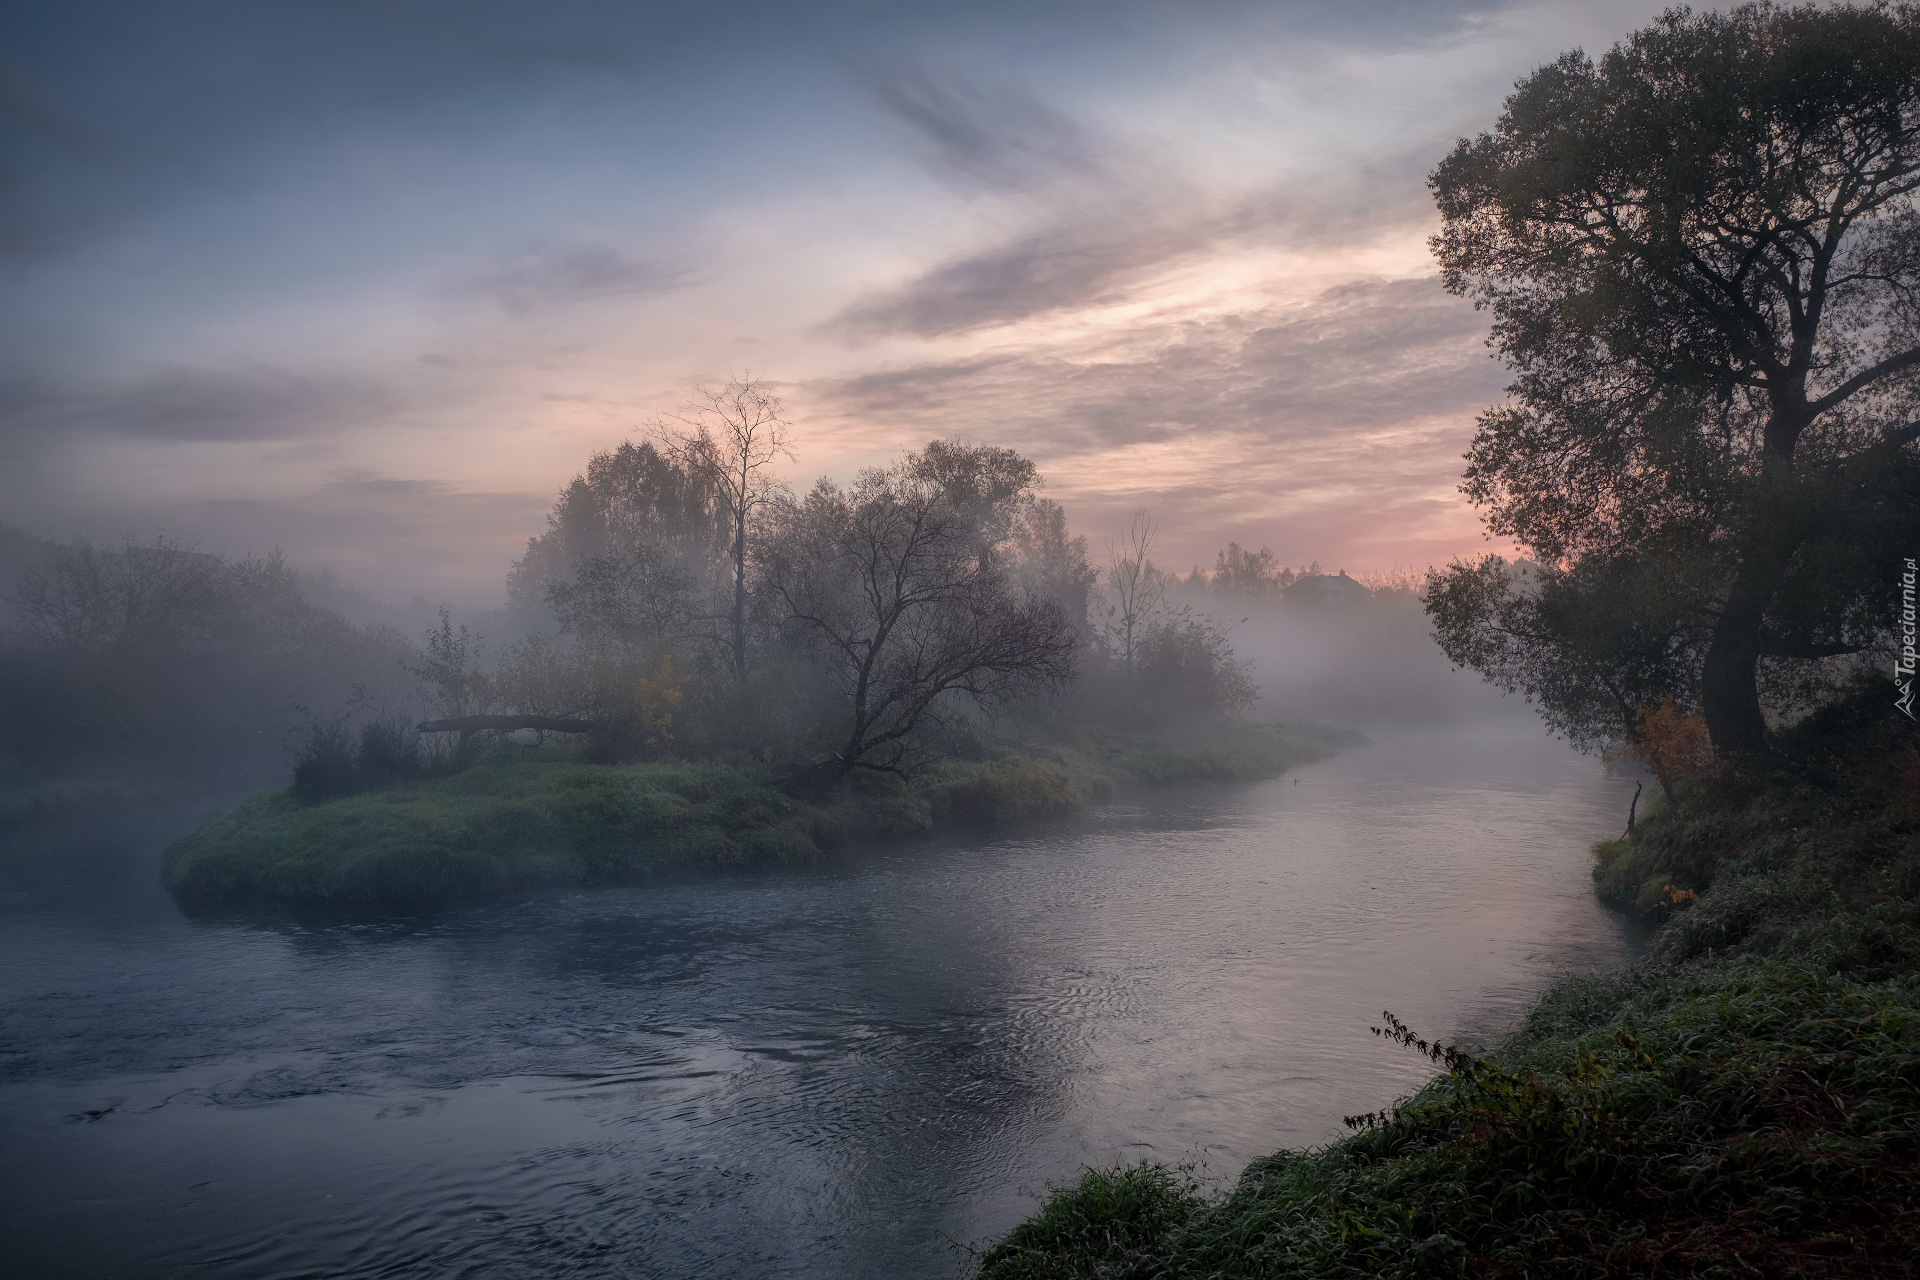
<point x="1320" y="588"/>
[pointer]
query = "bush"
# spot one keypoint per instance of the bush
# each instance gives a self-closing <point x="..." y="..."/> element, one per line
<point x="331" y="760"/>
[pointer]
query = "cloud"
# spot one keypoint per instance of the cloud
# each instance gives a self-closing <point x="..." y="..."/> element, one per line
<point x="62" y="180"/>
<point x="1368" y="353"/>
<point x="566" y="274"/>
<point x="1335" y="423"/>
<point x="1094" y="243"/>
<point x="1050" y="270"/>
<point x="195" y="403"/>
<point x="1000" y="137"/>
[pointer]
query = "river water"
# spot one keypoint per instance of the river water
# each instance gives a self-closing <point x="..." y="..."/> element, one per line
<point x="848" y="1070"/>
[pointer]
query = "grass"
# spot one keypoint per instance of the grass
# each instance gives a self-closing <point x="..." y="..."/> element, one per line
<point x="1743" y="1102"/>
<point x="27" y="797"/>
<point x="513" y="823"/>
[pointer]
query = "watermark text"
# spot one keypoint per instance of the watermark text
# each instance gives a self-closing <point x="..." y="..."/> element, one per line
<point x="1903" y="666"/>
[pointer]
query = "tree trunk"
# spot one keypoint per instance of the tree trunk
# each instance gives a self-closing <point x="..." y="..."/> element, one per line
<point x="1729" y="678"/>
<point x="740" y="601"/>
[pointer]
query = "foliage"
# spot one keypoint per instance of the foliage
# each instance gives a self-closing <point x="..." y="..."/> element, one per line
<point x="332" y="757"/>
<point x="1185" y="669"/>
<point x="655" y="700"/>
<point x="901" y="587"/>
<point x="1745" y="1101"/>
<point x="162" y="663"/>
<point x="1049" y="561"/>
<point x="1588" y="645"/>
<point x="629" y="498"/>
<point x="1672" y="744"/>
<point x="886" y="621"/>
<point x="1700" y="254"/>
<point x="451" y="667"/>
<point x="1251" y="575"/>
<point x="628" y="605"/>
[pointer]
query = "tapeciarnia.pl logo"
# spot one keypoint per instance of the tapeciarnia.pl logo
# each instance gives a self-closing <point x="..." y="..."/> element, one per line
<point x="1903" y="665"/>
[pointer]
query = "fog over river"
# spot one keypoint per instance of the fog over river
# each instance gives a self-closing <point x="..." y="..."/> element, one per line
<point x="843" y="1070"/>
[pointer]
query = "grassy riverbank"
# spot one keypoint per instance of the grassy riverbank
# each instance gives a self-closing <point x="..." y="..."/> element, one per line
<point x="1744" y="1102"/>
<point x="513" y="823"/>
<point x="27" y="797"/>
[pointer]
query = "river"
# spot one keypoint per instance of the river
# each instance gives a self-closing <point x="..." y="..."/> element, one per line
<point x="853" y="1069"/>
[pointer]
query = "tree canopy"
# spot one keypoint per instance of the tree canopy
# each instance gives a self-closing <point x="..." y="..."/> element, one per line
<point x="903" y="584"/>
<point x="1702" y="258"/>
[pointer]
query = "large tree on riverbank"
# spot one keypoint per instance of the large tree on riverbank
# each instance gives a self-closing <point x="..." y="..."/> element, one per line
<point x="1702" y="256"/>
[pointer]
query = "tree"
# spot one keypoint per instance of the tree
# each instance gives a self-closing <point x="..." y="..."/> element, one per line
<point x="1702" y="256"/>
<point x="1049" y="560"/>
<point x="900" y="584"/>
<point x="1136" y="587"/>
<point x="452" y="668"/>
<point x="1589" y="646"/>
<point x="729" y="438"/>
<point x="164" y="659"/>
<point x="626" y="604"/>
<point x="1672" y="744"/>
<point x="1252" y="575"/>
<point x="630" y="500"/>
<point x="142" y="598"/>
<point x="1187" y="672"/>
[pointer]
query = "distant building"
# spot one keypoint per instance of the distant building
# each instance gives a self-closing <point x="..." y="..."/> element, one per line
<point x="1324" y="589"/>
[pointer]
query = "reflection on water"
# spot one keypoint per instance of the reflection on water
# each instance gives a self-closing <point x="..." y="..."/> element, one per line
<point x="832" y="1071"/>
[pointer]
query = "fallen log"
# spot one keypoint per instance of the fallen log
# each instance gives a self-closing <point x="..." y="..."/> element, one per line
<point x="505" y="724"/>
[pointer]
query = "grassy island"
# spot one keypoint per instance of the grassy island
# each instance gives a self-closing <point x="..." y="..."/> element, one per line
<point x="520" y="821"/>
<point x="1745" y="1101"/>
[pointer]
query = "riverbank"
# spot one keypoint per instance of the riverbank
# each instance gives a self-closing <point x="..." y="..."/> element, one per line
<point x="1744" y="1101"/>
<point x="27" y="797"/>
<point x="515" y="823"/>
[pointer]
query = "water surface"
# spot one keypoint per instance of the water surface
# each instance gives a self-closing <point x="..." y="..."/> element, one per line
<point x="843" y="1070"/>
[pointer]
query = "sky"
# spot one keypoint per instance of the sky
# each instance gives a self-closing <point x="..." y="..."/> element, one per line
<point x="370" y="280"/>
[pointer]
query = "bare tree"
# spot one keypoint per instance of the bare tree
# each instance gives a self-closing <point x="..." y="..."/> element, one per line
<point x="137" y="598"/>
<point x="1136" y="586"/>
<point x="730" y="438"/>
<point x="898" y="584"/>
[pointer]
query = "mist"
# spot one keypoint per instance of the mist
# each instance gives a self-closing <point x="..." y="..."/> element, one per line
<point x="958" y="642"/>
<point x="152" y="664"/>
